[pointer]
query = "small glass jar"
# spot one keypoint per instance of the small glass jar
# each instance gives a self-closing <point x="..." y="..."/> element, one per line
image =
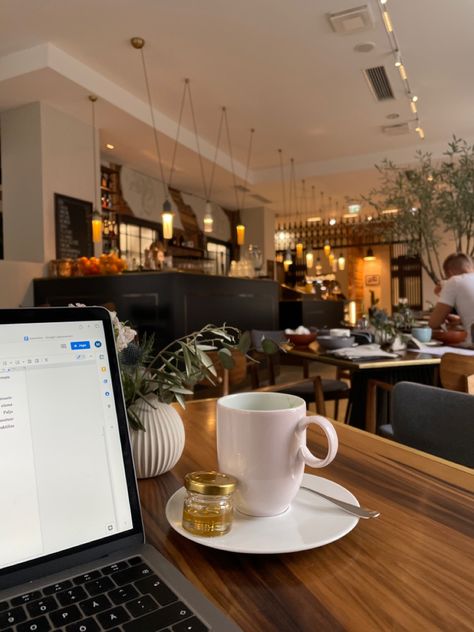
<point x="208" y="507"/>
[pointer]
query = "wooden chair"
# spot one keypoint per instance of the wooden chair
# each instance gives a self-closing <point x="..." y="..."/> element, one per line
<point x="315" y="389"/>
<point x="456" y="373"/>
<point x="226" y="380"/>
<point x="435" y="420"/>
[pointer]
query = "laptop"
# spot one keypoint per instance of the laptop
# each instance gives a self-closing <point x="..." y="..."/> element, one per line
<point x="72" y="547"/>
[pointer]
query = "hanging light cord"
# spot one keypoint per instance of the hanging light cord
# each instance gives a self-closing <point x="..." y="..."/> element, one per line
<point x="231" y="156"/>
<point x="201" y="165"/>
<point x="219" y="132"/>
<point x="249" y="153"/>
<point x="152" y="115"/>
<point x="283" y="190"/>
<point x="178" y="129"/>
<point x="93" y="99"/>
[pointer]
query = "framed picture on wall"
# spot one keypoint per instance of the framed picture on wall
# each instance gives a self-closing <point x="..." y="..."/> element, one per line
<point x="372" y="279"/>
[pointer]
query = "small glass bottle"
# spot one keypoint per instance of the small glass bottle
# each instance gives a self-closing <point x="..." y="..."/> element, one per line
<point x="208" y="507"/>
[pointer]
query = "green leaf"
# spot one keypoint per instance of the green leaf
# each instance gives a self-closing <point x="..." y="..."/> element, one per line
<point x="244" y="342"/>
<point x="269" y="346"/>
<point x="225" y="356"/>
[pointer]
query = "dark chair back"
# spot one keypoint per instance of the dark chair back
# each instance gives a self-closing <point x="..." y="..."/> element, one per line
<point x="434" y="420"/>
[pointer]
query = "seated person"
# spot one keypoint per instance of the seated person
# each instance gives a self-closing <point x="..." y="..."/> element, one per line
<point x="456" y="292"/>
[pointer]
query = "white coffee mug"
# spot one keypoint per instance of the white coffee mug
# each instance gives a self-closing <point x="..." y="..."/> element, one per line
<point x="261" y="440"/>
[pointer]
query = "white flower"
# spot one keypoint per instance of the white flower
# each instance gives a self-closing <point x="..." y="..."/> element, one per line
<point x="123" y="333"/>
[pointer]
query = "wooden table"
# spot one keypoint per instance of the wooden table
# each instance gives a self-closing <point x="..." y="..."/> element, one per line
<point x="408" y="366"/>
<point x="411" y="569"/>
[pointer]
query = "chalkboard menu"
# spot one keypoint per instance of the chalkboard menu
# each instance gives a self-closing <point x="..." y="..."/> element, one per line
<point x="73" y="227"/>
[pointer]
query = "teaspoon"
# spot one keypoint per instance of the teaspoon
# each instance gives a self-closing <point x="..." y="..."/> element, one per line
<point x="360" y="512"/>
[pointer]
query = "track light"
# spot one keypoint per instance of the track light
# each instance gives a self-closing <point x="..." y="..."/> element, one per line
<point x="387" y="21"/>
<point x="398" y="59"/>
<point x="413" y="107"/>
<point x="403" y="72"/>
<point x="421" y="133"/>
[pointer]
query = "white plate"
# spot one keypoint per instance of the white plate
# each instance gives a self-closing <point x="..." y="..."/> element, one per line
<point x="310" y="522"/>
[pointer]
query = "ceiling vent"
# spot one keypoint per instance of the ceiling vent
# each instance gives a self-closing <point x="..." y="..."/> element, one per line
<point x="379" y="83"/>
<point x="351" y="20"/>
<point x="396" y="130"/>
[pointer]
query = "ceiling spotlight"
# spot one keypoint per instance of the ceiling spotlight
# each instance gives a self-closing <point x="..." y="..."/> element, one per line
<point x="413" y="107"/>
<point x="402" y="71"/>
<point x="109" y="146"/>
<point x="387" y="21"/>
<point x="414" y="98"/>
<point x="383" y="1"/>
<point x="421" y="133"/>
<point x="332" y="221"/>
<point x="398" y="59"/>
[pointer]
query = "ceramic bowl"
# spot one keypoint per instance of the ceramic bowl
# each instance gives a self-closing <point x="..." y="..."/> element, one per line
<point x="301" y="340"/>
<point x="335" y="342"/>
<point x="450" y="337"/>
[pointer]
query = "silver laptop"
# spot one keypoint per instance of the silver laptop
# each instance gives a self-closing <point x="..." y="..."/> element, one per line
<point x="72" y="549"/>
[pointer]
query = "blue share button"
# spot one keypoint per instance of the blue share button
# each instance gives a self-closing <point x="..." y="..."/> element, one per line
<point x="80" y="344"/>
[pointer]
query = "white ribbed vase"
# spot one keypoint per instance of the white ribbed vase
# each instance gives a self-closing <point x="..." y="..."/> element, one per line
<point x="159" y="448"/>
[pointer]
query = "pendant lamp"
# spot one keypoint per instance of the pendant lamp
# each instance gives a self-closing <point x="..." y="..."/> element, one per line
<point x="240" y="228"/>
<point x="341" y="262"/>
<point x="327" y="248"/>
<point x="208" y="219"/>
<point x="96" y="214"/>
<point x="167" y="214"/>
<point x="309" y="259"/>
<point x="318" y="268"/>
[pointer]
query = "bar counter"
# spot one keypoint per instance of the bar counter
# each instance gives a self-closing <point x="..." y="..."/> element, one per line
<point x="410" y="569"/>
<point x="170" y="304"/>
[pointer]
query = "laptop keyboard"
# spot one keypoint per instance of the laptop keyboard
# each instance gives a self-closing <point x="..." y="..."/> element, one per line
<point x="126" y="596"/>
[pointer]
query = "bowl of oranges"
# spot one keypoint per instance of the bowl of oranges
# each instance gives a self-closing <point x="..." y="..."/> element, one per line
<point x="105" y="264"/>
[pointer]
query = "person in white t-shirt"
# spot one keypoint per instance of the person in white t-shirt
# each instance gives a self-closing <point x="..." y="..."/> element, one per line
<point x="458" y="292"/>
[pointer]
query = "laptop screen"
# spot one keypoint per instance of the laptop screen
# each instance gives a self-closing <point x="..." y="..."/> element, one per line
<point x="62" y="466"/>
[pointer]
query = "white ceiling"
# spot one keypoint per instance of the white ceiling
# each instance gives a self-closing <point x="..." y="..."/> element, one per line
<point x="275" y="64"/>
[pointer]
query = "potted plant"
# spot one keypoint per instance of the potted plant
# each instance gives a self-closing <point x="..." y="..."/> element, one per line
<point x="152" y="381"/>
<point x="432" y="198"/>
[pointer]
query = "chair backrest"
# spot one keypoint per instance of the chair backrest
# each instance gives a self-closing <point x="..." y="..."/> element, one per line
<point x="226" y="379"/>
<point x="456" y="372"/>
<point x="435" y="420"/>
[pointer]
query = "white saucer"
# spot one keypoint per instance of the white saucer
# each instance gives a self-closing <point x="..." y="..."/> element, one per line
<point x="310" y="522"/>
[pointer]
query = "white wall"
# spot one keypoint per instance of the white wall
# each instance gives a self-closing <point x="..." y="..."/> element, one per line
<point x="259" y="230"/>
<point x="16" y="283"/>
<point x="44" y="151"/>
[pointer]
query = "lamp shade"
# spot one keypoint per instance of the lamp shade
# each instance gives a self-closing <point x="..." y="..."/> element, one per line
<point x="96" y="227"/>
<point x="240" y="228"/>
<point x="299" y="250"/>
<point x="341" y="262"/>
<point x="208" y="219"/>
<point x="327" y="249"/>
<point x="309" y="259"/>
<point x="167" y="220"/>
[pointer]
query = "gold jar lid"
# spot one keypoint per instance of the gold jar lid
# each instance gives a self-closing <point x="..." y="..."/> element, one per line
<point x="210" y="483"/>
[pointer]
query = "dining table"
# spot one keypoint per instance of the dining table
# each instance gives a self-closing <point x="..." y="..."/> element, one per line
<point x="410" y="569"/>
<point x="410" y="366"/>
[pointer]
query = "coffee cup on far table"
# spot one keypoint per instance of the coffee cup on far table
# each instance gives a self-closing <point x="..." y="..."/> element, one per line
<point x="261" y="441"/>
<point x="423" y="334"/>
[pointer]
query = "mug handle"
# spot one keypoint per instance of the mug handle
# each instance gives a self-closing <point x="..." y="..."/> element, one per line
<point x="331" y="436"/>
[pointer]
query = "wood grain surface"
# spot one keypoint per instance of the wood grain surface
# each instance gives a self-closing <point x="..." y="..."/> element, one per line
<point x="411" y="569"/>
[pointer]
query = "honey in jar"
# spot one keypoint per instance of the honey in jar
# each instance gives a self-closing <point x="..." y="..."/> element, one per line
<point x="208" y="507"/>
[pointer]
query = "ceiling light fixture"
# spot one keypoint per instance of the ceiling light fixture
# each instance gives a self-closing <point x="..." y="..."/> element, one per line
<point x="341" y="262"/>
<point x="387" y="21"/>
<point x="398" y="61"/>
<point x="309" y="259"/>
<point x="420" y="131"/>
<point x="109" y="146"/>
<point x="96" y="214"/>
<point x="327" y="248"/>
<point x="313" y="219"/>
<point x="167" y="214"/>
<point x="332" y="221"/>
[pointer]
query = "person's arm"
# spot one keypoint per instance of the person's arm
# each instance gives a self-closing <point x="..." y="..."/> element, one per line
<point x="439" y="315"/>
